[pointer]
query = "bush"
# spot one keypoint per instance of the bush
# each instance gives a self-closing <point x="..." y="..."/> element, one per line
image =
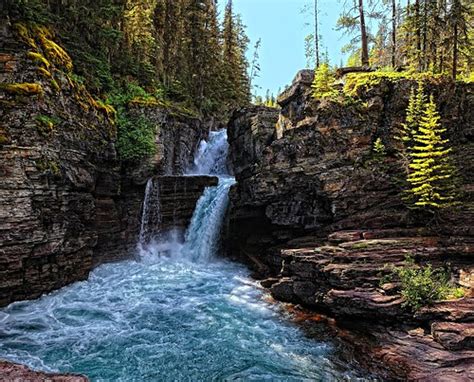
<point x="135" y="134"/>
<point x="136" y="138"/>
<point x="423" y="285"/>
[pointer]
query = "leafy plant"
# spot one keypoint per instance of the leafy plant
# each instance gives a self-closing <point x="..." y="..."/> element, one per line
<point x="423" y="285"/>
<point x="135" y="134"/>
<point x="379" y="149"/>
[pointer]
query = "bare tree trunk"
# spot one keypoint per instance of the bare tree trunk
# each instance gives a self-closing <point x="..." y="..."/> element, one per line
<point x="456" y="12"/>
<point x="418" y="32"/>
<point x="394" y="33"/>
<point x="363" y="33"/>
<point x="316" y="32"/>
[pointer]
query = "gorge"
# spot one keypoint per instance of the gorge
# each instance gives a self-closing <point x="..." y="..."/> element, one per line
<point x="173" y="231"/>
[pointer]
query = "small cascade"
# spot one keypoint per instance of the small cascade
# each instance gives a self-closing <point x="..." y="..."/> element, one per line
<point x="151" y="213"/>
<point x="211" y="157"/>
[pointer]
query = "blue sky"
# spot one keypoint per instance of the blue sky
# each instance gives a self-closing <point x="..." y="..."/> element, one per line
<point x="281" y="26"/>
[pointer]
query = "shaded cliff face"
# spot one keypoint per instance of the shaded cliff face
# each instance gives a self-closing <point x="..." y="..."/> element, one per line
<point x="68" y="202"/>
<point x="311" y="169"/>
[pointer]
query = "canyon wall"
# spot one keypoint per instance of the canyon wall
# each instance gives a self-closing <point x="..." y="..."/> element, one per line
<point x="68" y="202"/>
<point x="320" y="218"/>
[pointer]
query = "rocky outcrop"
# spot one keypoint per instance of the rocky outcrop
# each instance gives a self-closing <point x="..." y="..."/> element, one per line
<point x="12" y="372"/>
<point x="68" y="202"/>
<point x="178" y="198"/>
<point x="320" y="218"/>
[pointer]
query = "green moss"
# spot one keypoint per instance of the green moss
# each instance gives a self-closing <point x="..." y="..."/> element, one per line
<point x="26" y="88"/>
<point x="48" y="166"/>
<point x="24" y="34"/>
<point x="46" y="124"/>
<point x="38" y="57"/>
<point x="45" y="72"/>
<point x="355" y="82"/>
<point x="53" y="51"/>
<point x="55" y="85"/>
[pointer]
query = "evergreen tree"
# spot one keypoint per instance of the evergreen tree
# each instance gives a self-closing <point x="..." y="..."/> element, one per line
<point x="416" y="105"/>
<point x="323" y="82"/>
<point x="234" y="44"/>
<point x="431" y="176"/>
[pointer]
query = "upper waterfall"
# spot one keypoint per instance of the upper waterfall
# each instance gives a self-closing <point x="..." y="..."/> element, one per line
<point x="211" y="156"/>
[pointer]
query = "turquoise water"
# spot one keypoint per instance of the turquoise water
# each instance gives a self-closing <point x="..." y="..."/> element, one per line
<point x="163" y="320"/>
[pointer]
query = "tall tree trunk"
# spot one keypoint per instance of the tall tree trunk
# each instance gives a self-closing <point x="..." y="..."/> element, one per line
<point x="394" y="33"/>
<point x="425" y="34"/>
<point x="456" y="11"/>
<point x="316" y="32"/>
<point x="363" y="33"/>
<point x="418" y="32"/>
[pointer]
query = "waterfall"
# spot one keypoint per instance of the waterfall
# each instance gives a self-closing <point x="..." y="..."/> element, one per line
<point x="151" y="213"/>
<point x="202" y="236"/>
<point x="211" y="157"/>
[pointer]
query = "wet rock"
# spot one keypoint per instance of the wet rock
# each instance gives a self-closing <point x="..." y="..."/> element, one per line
<point x="12" y="372"/>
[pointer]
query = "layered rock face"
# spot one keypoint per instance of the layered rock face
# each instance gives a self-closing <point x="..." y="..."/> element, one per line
<point x="68" y="203"/>
<point x="321" y="217"/>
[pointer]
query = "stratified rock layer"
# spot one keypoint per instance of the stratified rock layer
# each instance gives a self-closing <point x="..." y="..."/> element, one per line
<point x="320" y="218"/>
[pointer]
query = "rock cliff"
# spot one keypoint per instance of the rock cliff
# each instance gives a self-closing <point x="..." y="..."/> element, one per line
<point x="321" y="219"/>
<point x="68" y="202"/>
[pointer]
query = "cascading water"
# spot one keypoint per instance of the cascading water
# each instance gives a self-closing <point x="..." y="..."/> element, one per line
<point x="151" y="213"/>
<point x="211" y="158"/>
<point x="178" y="314"/>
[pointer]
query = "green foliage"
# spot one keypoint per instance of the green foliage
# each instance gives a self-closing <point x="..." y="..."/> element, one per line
<point x="379" y="150"/>
<point x="177" y="48"/>
<point x="431" y="176"/>
<point x="324" y="79"/>
<point x="136" y="137"/>
<point x="423" y="285"/>
<point x="135" y="134"/>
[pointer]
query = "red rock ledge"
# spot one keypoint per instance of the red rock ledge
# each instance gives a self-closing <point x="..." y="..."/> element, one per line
<point x="13" y="372"/>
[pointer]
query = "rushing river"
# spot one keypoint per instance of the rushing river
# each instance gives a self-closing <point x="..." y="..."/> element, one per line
<point x="177" y="313"/>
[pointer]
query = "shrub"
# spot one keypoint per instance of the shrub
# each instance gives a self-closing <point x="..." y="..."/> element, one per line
<point x="136" y="137"/>
<point x="423" y="285"/>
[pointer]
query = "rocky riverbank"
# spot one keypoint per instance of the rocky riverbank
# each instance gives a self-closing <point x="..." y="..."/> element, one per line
<point x="320" y="219"/>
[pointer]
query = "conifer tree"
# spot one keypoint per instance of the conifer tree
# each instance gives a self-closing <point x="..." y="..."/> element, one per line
<point x="431" y="177"/>
<point x="323" y="82"/>
<point x="416" y="105"/>
<point x="234" y="44"/>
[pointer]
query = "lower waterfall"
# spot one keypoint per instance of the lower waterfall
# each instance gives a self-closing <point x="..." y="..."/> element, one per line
<point x="179" y="313"/>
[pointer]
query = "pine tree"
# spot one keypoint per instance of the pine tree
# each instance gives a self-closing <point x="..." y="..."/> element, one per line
<point x="323" y="82"/>
<point x="236" y="82"/>
<point x="416" y="105"/>
<point x="431" y="177"/>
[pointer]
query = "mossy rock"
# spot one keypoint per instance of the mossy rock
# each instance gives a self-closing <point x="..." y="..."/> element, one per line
<point x="25" y="88"/>
<point x="38" y="57"/>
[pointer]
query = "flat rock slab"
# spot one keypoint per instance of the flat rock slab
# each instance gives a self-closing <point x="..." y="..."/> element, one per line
<point x="13" y="372"/>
